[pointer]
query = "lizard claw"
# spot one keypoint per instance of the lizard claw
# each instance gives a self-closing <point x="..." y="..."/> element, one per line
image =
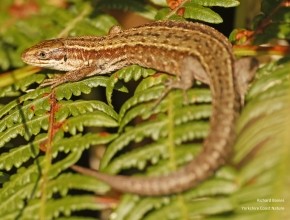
<point x="168" y="88"/>
<point x="53" y="82"/>
<point x="171" y="84"/>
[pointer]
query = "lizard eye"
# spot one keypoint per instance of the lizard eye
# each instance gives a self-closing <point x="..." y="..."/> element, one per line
<point x="42" y="55"/>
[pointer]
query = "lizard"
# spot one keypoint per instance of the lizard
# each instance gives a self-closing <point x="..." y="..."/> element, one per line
<point x="190" y="51"/>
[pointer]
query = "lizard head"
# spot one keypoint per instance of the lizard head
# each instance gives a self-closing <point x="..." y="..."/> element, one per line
<point x="49" y="54"/>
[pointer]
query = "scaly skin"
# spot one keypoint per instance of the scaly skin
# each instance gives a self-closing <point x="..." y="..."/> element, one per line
<point x="188" y="50"/>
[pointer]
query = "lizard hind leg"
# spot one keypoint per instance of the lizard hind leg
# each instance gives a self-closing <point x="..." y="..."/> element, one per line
<point x="170" y="84"/>
<point x="245" y="69"/>
<point x="190" y="70"/>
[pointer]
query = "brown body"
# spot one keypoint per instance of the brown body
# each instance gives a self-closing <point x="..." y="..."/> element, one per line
<point x="189" y="50"/>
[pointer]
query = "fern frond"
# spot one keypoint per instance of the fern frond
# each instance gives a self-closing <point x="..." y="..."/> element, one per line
<point x="32" y="95"/>
<point x="27" y="129"/>
<point x="68" y="181"/>
<point x="19" y="80"/>
<point x="25" y="184"/>
<point x="132" y="134"/>
<point x="22" y="114"/>
<point x="17" y="156"/>
<point x="75" y="218"/>
<point x="159" y="128"/>
<point x="144" y="206"/>
<point x="139" y="105"/>
<point x="15" y="201"/>
<point x="206" y="207"/>
<point x="92" y="119"/>
<point x="63" y="206"/>
<point x="262" y="147"/>
<point x="77" y="88"/>
<point x="156" y="155"/>
<point x="128" y="73"/>
<point x="19" y="187"/>
<point x="65" y="163"/>
<point x="79" y="107"/>
<point x="82" y="142"/>
<point x="135" y="106"/>
<point x="21" y="178"/>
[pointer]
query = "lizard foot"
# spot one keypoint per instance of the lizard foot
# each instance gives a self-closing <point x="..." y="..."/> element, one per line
<point x="53" y="82"/>
<point x="171" y="84"/>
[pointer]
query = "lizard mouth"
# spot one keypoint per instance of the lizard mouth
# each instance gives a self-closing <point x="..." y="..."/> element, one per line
<point x="24" y="56"/>
<point x="30" y="58"/>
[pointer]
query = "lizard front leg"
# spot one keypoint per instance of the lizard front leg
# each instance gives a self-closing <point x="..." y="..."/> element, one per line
<point x="71" y="76"/>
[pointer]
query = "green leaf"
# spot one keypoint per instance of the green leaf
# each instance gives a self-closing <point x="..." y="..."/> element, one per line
<point x="198" y="12"/>
<point x="220" y="3"/>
